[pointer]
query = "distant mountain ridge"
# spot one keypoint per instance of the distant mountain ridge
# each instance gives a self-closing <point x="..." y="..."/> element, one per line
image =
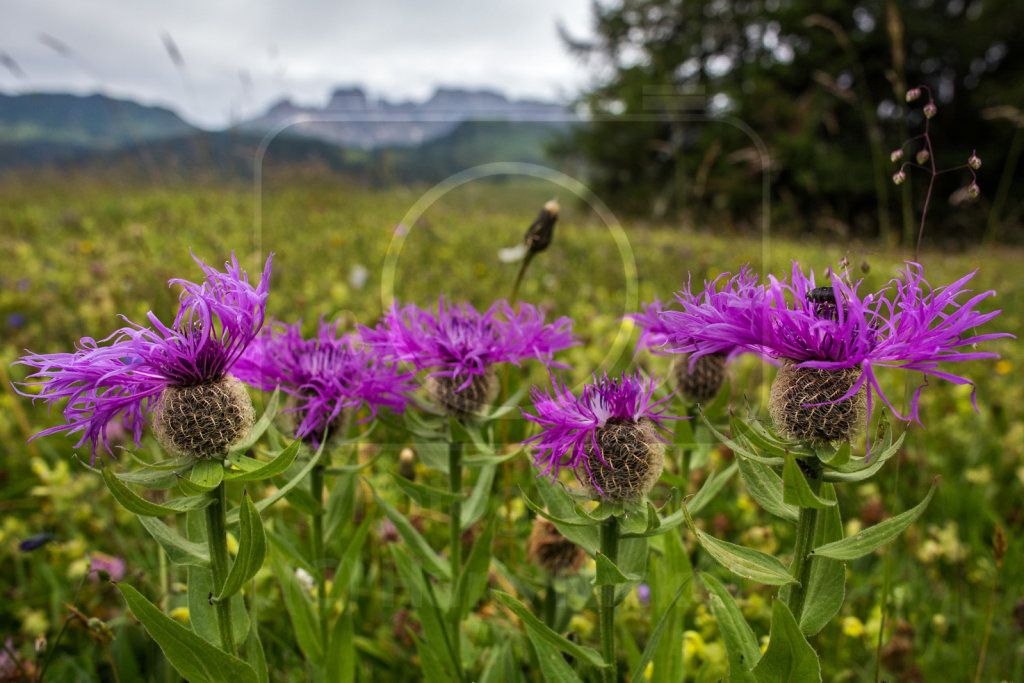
<point x="352" y="119"/>
<point x="89" y="121"/>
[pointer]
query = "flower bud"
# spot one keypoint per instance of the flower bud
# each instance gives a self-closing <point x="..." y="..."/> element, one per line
<point x="703" y="381"/>
<point x="470" y="400"/>
<point x="923" y="156"/>
<point x="630" y="461"/>
<point x="538" y="235"/>
<point x="407" y="464"/>
<point x="974" y="162"/>
<point x="898" y="177"/>
<point x="930" y="110"/>
<point x="553" y="552"/>
<point x="973" y="191"/>
<point x="795" y="392"/>
<point x="204" y="420"/>
<point x="913" y="94"/>
<point x="896" y="155"/>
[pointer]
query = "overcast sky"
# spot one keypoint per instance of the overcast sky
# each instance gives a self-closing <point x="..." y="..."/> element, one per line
<point x="215" y="61"/>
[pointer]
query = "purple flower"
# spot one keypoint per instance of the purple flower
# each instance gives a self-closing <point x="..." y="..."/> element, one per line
<point x="654" y="332"/>
<point x="725" y="295"/>
<point x="114" y="567"/>
<point x="573" y="431"/>
<point x="326" y="375"/>
<point x="123" y="374"/>
<point x="907" y="324"/>
<point x="461" y="343"/>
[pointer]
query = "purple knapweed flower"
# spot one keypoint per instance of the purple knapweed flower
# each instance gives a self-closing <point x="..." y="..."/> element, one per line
<point x="697" y="378"/>
<point x="610" y="433"/>
<point x="328" y="377"/>
<point x="838" y="337"/>
<point x="460" y="345"/>
<point x="138" y="369"/>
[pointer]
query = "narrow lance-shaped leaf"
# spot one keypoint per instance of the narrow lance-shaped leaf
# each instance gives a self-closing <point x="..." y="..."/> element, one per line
<point x="542" y="630"/>
<point x="740" y="643"/>
<point x="744" y="562"/>
<point x="872" y="538"/>
<point x="179" y="549"/>
<point x="826" y="587"/>
<point x="252" y="549"/>
<point x="796" y="490"/>
<point x="789" y="657"/>
<point x="192" y="657"/>
<point x="133" y="502"/>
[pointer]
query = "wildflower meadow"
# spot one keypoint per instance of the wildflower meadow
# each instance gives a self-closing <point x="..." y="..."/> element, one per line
<point x="321" y="432"/>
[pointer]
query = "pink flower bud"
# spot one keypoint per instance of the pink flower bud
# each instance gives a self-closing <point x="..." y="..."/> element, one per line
<point x="923" y="156"/>
<point x="898" y="177"/>
<point x="930" y="110"/>
<point x="974" y="162"/>
<point x="896" y="155"/>
<point x="973" y="190"/>
<point x="913" y="94"/>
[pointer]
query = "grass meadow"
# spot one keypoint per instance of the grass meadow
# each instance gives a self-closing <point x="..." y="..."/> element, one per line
<point x="77" y="254"/>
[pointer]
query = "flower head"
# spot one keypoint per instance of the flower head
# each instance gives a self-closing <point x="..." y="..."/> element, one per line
<point x="124" y="374"/>
<point x="907" y="324"/>
<point x="609" y="431"/>
<point x="328" y="376"/>
<point x="460" y="344"/>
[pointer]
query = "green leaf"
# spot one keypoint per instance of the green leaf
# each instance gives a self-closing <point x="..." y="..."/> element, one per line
<point x="417" y="544"/>
<point x="652" y="642"/>
<point x="299" y="605"/>
<point x="425" y="496"/>
<point x="434" y="454"/>
<point x="179" y="549"/>
<point x="473" y="579"/>
<point x="430" y="664"/>
<point x="796" y="490"/>
<point x="132" y="502"/>
<point x="191" y="656"/>
<point x="348" y="562"/>
<point x="426" y="603"/>
<point x="560" y="506"/>
<point x="480" y="460"/>
<point x="301" y="499"/>
<point x="835" y="457"/>
<point x="765" y="487"/>
<point x="740" y="642"/>
<point x="261" y="425"/>
<point x="744" y="562"/>
<point x="254" y="653"/>
<point x="608" y="574"/>
<point x="872" y="538"/>
<point x="202" y="614"/>
<point x="710" y="488"/>
<point x="789" y="657"/>
<point x="475" y="506"/>
<point x="154" y="478"/>
<point x="284" y="490"/>
<point x="826" y="587"/>
<point x="553" y="666"/>
<point x="252" y="549"/>
<point x="736" y="446"/>
<point x="574" y="521"/>
<point x="541" y="630"/>
<point x="206" y="476"/>
<point x="279" y="464"/>
<point x="340" y="666"/>
<point x="632" y="562"/>
<point x="860" y="469"/>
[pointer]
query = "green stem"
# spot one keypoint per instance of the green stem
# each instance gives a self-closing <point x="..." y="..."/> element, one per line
<point x="519" y="276"/>
<point x="550" y="603"/>
<point x="806" y="523"/>
<point x="216" y="537"/>
<point x="610" y="549"/>
<point x="455" y="549"/>
<point x="316" y="486"/>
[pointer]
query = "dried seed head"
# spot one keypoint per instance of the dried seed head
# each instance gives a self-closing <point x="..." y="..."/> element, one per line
<point x="538" y="235"/>
<point x="999" y="545"/>
<point x="794" y="388"/>
<point x="203" y="420"/>
<point x="633" y="460"/>
<point x="407" y="464"/>
<point x="553" y="552"/>
<point x="477" y="395"/>
<point x="703" y="381"/>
